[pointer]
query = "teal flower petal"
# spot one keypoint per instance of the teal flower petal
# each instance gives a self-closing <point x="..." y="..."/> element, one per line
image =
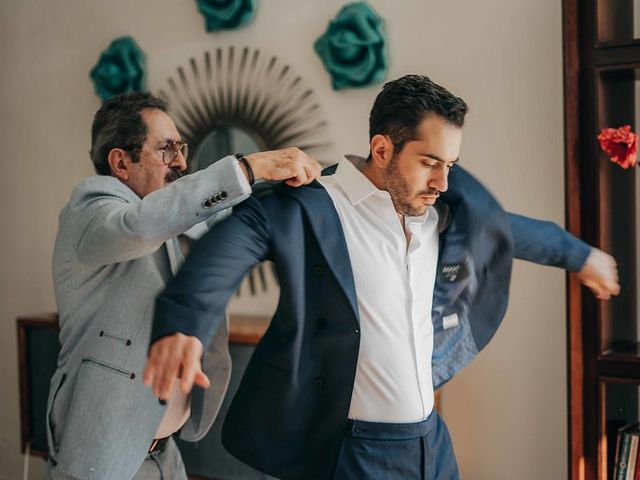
<point x="226" y="14"/>
<point x="120" y="69"/>
<point x="353" y="47"/>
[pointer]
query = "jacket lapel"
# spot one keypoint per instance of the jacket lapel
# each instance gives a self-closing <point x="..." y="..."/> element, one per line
<point x="328" y="231"/>
<point x="174" y="254"/>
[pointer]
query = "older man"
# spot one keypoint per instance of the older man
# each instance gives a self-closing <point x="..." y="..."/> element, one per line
<point x="116" y="249"/>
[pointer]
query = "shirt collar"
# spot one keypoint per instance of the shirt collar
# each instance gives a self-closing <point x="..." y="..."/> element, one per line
<point x="356" y="186"/>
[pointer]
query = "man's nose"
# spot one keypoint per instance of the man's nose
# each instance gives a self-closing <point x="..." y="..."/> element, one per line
<point x="179" y="161"/>
<point x="440" y="180"/>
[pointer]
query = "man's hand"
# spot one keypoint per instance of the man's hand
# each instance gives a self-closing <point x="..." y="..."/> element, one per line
<point x="290" y="164"/>
<point x="600" y="274"/>
<point x="173" y="357"/>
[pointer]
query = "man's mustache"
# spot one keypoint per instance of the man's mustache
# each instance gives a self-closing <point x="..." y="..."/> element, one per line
<point x="173" y="175"/>
<point x="430" y="192"/>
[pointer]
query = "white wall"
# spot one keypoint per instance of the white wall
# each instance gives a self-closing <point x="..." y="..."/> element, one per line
<point x="506" y="412"/>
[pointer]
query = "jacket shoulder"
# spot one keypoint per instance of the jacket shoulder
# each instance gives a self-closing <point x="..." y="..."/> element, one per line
<point x="278" y="195"/>
<point x="100" y="186"/>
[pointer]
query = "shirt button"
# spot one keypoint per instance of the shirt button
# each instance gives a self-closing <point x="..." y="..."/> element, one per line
<point x="318" y="382"/>
<point x="318" y="270"/>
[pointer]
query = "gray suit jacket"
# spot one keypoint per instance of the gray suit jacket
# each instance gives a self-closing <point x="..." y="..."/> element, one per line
<point x="114" y="253"/>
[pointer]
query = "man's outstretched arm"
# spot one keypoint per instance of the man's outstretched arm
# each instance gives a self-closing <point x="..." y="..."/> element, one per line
<point x="192" y="306"/>
<point x="547" y="244"/>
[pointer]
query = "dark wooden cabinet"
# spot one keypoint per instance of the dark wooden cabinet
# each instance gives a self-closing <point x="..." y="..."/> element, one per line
<point x="38" y="349"/>
<point x="601" y="89"/>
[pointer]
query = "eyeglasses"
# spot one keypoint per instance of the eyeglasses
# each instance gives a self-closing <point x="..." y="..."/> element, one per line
<point x="169" y="151"/>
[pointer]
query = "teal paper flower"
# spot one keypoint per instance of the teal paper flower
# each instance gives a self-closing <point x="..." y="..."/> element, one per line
<point x="121" y="69"/>
<point x="226" y="14"/>
<point x="353" y="47"/>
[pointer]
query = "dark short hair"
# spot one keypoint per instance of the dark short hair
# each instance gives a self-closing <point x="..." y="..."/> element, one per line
<point x="119" y="124"/>
<point x="404" y="103"/>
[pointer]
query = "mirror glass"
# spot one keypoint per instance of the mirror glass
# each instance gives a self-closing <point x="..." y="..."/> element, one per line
<point x="220" y="142"/>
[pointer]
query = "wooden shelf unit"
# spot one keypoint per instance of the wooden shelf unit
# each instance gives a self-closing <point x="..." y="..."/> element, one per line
<point x="601" y="75"/>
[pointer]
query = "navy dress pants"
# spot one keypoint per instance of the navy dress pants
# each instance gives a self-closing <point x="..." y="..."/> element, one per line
<point x="397" y="451"/>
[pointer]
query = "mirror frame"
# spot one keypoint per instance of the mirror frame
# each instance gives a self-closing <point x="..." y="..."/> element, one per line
<point x="252" y="91"/>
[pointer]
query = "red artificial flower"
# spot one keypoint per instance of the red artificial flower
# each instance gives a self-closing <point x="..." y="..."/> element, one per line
<point x="621" y="144"/>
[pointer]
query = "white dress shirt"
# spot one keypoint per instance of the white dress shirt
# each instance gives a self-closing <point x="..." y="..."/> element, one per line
<point x="394" y="287"/>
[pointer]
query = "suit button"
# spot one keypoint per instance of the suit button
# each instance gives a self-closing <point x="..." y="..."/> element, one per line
<point x="321" y="323"/>
<point x="353" y="330"/>
<point x="318" y="270"/>
<point x="318" y="382"/>
<point x="162" y="401"/>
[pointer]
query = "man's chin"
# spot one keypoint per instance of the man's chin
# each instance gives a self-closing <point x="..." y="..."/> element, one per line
<point x="415" y="210"/>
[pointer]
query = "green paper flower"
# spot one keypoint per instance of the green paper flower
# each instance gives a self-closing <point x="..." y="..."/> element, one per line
<point x="353" y="47"/>
<point x="226" y="14"/>
<point x="121" y="69"/>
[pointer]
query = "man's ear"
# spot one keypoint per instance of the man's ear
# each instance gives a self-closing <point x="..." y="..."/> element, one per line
<point x="119" y="161"/>
<point x="381" y="150"/>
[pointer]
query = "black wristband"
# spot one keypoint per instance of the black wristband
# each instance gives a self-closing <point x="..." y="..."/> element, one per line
<point x="245" y="162"/>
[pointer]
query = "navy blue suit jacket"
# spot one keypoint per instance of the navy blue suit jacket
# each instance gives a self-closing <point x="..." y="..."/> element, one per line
<point x="289" y="415"/>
